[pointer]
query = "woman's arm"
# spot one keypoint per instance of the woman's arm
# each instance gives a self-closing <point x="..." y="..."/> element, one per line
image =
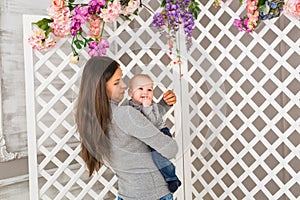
<point x="134" y="123"/>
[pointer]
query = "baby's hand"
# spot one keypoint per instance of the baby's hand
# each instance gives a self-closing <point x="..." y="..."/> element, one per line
<point x="146" y="101"/>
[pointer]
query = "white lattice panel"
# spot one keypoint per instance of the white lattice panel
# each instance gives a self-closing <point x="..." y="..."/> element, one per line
<point x="245" y="141"/>
<point x="236" y="120"/>
<point x="56" y="169"/>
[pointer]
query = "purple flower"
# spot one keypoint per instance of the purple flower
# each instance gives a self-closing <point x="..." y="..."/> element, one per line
<point x="239" y="23"/>
<point x="173" y="14"/>
<point x="79" y="17"/>
<point x="158" y="21"/>
<point x="75" y="27"/>
<point x="186" y="2"/>
<point x="98" y="48"/>
<point x="82" y="11"/>
<point x="95" y="6"/>
<point x="103" y="45"/>
<point x="188" y="22"/>
<point x="93" y="48"/>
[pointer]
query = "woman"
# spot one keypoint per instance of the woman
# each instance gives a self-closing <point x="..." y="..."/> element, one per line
<point x="119" y="136"/>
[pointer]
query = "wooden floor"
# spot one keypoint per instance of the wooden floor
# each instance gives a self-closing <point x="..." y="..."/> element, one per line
<point x="16" y="191"/>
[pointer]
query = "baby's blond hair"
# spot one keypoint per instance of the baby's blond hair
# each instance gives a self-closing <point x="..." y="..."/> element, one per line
<point x="135" y="78"/>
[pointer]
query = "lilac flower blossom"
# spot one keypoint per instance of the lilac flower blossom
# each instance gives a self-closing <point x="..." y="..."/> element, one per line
<point x="98" y="48"/>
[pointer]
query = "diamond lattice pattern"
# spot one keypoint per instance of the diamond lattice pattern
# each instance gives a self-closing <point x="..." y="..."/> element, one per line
<point x="244" y="109"/>
<point x="237" y="116"/>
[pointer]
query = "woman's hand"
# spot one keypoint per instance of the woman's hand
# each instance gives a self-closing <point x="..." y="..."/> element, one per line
<point x="169" y="97"/>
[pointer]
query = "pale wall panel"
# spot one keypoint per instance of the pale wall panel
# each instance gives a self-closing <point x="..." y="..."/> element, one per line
<point x="12" y="69"/>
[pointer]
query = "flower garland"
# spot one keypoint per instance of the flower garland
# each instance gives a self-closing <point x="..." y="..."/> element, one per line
<point x="259" y="10"/>
<point x="174" y="13"/>
<point x="67" y="19"/>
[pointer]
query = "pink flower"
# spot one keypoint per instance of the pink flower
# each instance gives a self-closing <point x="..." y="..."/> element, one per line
<point x="57" y="4"/>
<point x="292" y="7"/>
<point x="39" y="40"/>
<point x="170" y="43"/>
<point x="252" y="14"/>
<point x="251" y="6"/>
<point x="95" y="27"/>
<point x="131" y="8"/>
<point x="253" y="18"/>
<point x="112" y="12"/>
<point x="61" y="23"/>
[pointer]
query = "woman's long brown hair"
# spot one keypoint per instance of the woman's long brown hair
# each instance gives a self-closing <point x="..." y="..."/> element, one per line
<point x="93" y="112"/>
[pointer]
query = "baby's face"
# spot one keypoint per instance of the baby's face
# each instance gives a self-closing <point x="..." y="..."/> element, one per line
<point x="142" y="92"/>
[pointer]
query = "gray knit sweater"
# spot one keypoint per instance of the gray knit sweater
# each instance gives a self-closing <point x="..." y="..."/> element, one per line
<point x="154" y="112"/>
<point x="130" y="134"/>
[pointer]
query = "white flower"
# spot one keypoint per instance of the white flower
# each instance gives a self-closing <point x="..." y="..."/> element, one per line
<point x="74" y="59"/>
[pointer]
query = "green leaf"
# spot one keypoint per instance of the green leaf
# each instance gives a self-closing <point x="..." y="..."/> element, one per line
<point x="78" y="44"/>
<point x="196" y="3"/>
<point x="194" y="8"/>
<point x="127" y="18"/>
<point x="81" y="42"/>
<point x="163" y="3"/>
<point x="43" y="23"/>
<point x="261" y="2"/>
<point x="195" y="15"/>
<point x="85" y="42"/>
<point x="71" y="7"/>
<point x="47" y="31"/>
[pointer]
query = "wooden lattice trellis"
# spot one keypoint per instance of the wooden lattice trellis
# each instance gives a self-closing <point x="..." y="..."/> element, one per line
<point x="236" y="120"/>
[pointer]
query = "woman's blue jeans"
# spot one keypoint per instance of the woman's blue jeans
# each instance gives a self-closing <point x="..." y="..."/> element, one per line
<point x="167" y="197"/>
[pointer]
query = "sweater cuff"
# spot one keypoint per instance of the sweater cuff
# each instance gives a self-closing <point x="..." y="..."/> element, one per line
<point x="147" y="110"/>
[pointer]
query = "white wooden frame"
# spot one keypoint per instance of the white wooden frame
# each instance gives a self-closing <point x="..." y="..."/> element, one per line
<point x="30" y="112"/>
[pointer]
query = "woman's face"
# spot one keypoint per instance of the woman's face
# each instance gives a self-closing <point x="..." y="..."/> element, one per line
<point x="115" y="86"/>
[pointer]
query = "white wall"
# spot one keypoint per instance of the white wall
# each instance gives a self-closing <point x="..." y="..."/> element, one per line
<point x="13" y="94"/>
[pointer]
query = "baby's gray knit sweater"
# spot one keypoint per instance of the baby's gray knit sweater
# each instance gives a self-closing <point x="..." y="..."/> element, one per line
<point x="130" y="134"/>
<point x="154" y="113"/>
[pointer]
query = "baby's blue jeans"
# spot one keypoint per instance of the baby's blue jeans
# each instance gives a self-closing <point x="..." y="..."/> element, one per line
<point x="166" y="168"/>
<point x="167" y="197"/>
